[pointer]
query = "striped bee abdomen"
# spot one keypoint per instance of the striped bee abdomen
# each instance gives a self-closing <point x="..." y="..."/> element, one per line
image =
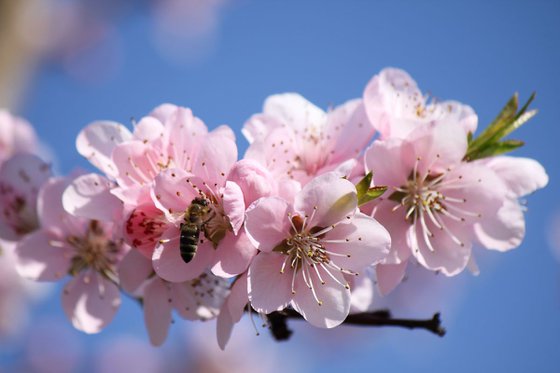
<point x="188" y="241"/>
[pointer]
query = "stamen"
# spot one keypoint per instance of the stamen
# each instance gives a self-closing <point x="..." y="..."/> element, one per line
<point x="319" y="302"/>
<point x="347" y="271"/>
<point x="292" y="223"/>
<point x="56" y="243"/>
<point x="312" y="216"/>
<point x="396" y="207"/>
<point x="426" y="233"/>
<point x="304" y="272"/>
<point x="432" y="218"/>
<point x="333" y="277"/>
<point x="449" y="233"/>
<point x="462" y="211"/>
<point x="284" y="264"/>
<point x="318" y="274"/>
<point x="331" y="253"/>
<point x="450" y="215"/>
<point x="323" y="231"/>
<point x="250" y="311"/>
<point x="293" y="280"/>
<point x="452" y="199"/>
<point x="415" y="172"/>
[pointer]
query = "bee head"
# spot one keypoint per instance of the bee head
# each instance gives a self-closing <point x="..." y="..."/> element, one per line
<point x="200" y="201"/>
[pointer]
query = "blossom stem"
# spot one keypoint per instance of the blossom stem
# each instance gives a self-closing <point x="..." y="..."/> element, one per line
<point x="280" y="331"/>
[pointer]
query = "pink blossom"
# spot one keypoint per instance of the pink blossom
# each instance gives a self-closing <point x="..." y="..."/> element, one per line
<point x="83" y="248"/>
<point x="197" y="299"/>
<point x="144" y="227"/>
<point x="16" y="293"/>
<point x="437" y="204"/>
<point x="308" y="247"/>
<point x="171" y="141"/>
<point x="230" y="254"/>
<point x="395" y="106"/>
<point x="21" y="176"/>
<point x="294" y="139"/>
<point x="16" y="136"/>
<point x="522" y="176"/>
<point x="232" y="310"/>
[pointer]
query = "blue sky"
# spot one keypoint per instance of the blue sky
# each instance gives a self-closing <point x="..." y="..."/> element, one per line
<point x="477" y="52"/>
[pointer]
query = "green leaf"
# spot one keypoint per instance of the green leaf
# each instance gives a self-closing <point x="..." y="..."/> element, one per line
<point x="364" y="184"/>
<point x="490" y="142"/>
<point x="498" y="148"/>
<point x="505" y="116"/>
<point x="371" y="194"/>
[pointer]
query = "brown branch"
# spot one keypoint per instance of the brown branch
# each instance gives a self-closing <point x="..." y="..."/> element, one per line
<point x="279" y="322"/>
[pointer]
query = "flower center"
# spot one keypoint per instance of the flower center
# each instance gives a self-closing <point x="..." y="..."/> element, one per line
<point x="306" y="254"/>
<point x="427" y="200"/>
<point x="17" y="212"/>
<point x="94" y="250"/>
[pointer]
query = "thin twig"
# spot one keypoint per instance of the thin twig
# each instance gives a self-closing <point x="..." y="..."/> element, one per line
<point x="279" y="322"/>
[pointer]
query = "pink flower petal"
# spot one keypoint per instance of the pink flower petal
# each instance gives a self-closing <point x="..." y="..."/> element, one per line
<point x="90" y="196"/>
<point x="17" y="136"/>
<point x="184" y="300"/>
<point x="503" y="230"/>
<point x="149" y="129"/>
<point x="238" y="297"/>
<point x="363" y="238"/>
<point x="461" y="113"/>
<point x="277" y="152"/>
<point x="449" y="257"/>
<point x="214" y="160"/>
<point x="133" y="196"/>
<point x="332" y="197"/>
<point x="387" y="95"/>
<point x="384" y="161"/>
<point x="49" y="205"/>
<point x="163" y="112"/>
<point x="521" y="175"/>
<point x="169" y="265"/>
<point x="137" y="163"/>
<point x="90" y="301"/>
<point x="43" y="256"/>
<point x="395" y="223"/>
<point x="173" y="190"/>
<point x="436" y="146"/>
<point x="269" y="290"/>
<point x="97" y="141"/>
<point x="334" y="298"/>
<point x="224" y="328"/>
<point x="349" y="126"/>
<point x="362" y="291"/>
<point x="234" y="253"/>
<point x="232" y="310"/>
<point x="267" y="222"/>
<point x="389" y="276"/>
<point x="224" y="130"/>
<point x="184" y="135"/>
<point x="293" y="110"/>
<point x="234" y="205"/>
<point x="21" y="176"/>
<point x="134" y="269"/>
<point x="259" y="126"/>
<point x="255" y="180"/>
<point x="157" y="310"/>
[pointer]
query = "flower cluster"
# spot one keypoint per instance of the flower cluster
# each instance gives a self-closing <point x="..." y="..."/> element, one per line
<point x="321" y="200"/>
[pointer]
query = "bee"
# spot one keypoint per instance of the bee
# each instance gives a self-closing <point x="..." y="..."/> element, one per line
<point x="197" y="215"/>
